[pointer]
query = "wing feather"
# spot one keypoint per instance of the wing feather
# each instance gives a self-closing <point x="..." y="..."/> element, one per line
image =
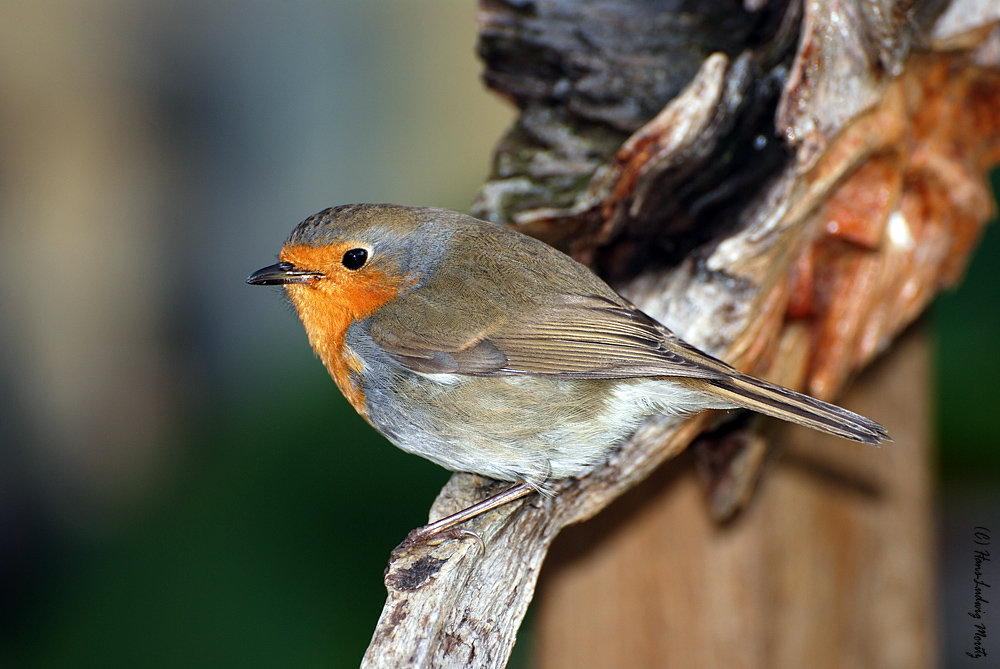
<point x="576" y="338"/>
<point x="502" y="304"/>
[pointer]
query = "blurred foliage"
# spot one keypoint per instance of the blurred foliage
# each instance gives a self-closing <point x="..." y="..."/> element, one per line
<point x="966" y="324"/>
<point x="268" y="554"/>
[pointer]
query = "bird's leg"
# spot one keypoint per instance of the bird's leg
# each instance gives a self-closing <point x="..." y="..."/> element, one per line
<point x="511" y="494"/>
<point x="445" y="525"/>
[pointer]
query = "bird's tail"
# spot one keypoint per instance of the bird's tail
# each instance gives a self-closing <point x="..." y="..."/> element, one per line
<point x="779" y="402"/>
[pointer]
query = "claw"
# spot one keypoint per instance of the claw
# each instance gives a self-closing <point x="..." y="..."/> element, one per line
<point x="441" y="530"/>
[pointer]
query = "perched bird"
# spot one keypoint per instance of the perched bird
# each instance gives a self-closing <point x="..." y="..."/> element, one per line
<point x="487" y="351"/>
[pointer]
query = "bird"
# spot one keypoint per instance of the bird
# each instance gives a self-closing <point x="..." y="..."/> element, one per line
<point x="487" y="351"/>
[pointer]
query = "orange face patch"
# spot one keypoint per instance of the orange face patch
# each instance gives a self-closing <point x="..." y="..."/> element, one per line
<point x="329" y="305"/>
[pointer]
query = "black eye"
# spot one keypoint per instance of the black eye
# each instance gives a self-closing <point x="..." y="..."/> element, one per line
<point x="355" y="258"/>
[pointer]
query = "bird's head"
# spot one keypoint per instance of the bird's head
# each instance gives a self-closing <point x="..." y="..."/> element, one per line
<point x="343" y="263"/>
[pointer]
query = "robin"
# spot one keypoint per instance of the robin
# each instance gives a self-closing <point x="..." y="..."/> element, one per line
<point x="487" y="351"/>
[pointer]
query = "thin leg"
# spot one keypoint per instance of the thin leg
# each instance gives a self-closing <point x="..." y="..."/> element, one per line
<point x="422" y="534"/>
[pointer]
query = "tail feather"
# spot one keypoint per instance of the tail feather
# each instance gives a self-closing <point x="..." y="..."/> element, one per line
<point x="779" y="402"/>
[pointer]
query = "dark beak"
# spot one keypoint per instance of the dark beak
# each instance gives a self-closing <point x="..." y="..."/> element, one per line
<point x="280" y="274"/>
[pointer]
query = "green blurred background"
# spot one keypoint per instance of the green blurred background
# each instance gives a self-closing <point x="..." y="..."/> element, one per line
<point x="180" y="482"/>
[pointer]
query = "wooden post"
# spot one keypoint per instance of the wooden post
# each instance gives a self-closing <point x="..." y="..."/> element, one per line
<point x="830" y="566"/>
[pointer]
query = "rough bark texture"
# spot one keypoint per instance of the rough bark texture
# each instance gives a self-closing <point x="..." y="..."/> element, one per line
<point x="786" y="185"/>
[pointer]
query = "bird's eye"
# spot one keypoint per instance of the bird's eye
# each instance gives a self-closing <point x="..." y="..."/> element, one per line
<point x="355" y="259"/>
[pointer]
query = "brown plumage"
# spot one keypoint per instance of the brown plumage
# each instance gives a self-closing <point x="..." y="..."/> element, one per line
<point x="488" y="351"/>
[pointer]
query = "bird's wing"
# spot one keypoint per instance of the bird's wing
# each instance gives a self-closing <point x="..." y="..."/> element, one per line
<point x="594" y="337"/>
<point x="502" y="303"/>
<point x="580" y="336"/>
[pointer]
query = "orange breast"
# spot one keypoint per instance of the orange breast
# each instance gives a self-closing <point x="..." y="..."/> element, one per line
<point x="328" y="307"/>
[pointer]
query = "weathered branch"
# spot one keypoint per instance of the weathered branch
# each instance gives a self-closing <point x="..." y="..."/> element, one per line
<point x="801" y="273"/>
